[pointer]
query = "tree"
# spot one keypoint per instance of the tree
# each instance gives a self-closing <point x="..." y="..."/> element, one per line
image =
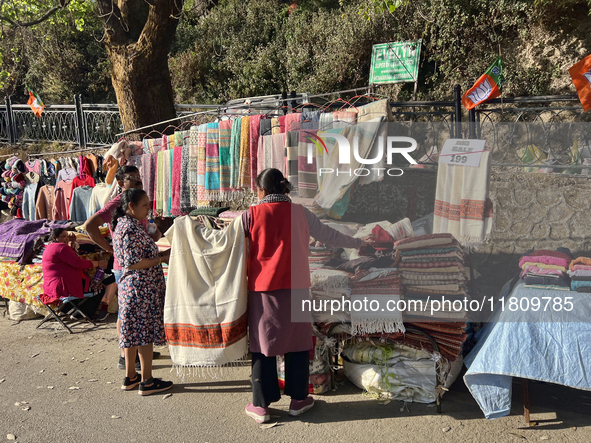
<point x="138" y="35"/>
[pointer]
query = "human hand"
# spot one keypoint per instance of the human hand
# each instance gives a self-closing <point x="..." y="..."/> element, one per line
<point x="164" y="258"/>
<point x="371" y="238"/>
<point x="71" y="237"/>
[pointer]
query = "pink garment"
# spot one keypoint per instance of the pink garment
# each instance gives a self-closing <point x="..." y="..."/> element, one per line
<point x="541" y="271"/>
<point x="63" y="193"/>
<point x="255" y="132"/>
<point x="581" y="268"/>
<point x="175" y="205"/>
<point x="544" y="259"/>
<point x="290" y="119"/>
<point x="107" y="215"/>
<point x="282" y="120"/>
<point x="62" y="272"/>
<point x="551" y="254"/>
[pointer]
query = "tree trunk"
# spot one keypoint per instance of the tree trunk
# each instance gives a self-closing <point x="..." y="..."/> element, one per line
<point x="138" y="37"/>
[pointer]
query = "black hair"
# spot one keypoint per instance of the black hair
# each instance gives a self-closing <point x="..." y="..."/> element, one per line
<point x="273" y="182"/>
<point x="55" y="233"/>
<point x="123" y="170"/>
<point x="128" y="196"/>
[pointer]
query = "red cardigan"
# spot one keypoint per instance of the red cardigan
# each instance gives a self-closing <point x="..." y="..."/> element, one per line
<point x="62" y="272"/>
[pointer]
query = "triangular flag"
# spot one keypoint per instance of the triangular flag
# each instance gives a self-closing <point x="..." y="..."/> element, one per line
<point x="581" y="74"/>
<point x="487" y="87"/>
<point x="35" y="103"/>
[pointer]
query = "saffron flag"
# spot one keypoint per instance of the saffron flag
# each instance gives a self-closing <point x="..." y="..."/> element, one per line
<point x="581" y="74"/>
<point x="487" y="87"/>
<point x="35" y="103"/>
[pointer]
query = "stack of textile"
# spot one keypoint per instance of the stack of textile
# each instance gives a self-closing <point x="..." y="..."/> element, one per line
<point x="328" y="285"/>
<point x="545" y="269"/>
<point x="381" y="285"/>
<point x="449" y="337"/>
<point x="432" y="269"/>
<point x="318" y="255"/>
<point x="580" y="274"/>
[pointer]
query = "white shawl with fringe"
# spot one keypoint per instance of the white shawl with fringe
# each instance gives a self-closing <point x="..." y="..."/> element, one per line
<point x="205" y="315"/>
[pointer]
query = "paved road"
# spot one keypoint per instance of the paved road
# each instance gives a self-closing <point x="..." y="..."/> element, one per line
<point x="40" y="366"/>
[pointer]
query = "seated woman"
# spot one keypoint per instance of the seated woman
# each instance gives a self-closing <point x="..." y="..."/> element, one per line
<point x="63" y="274"/>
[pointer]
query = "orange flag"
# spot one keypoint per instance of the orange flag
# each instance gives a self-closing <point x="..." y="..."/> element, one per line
<point x="581" y="74"/>
<point x="487" y="87"/>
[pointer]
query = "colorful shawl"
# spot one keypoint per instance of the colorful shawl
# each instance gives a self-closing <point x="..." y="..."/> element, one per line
<point x="212" y="163"/>
<point x="462" y="206"/>
<point x="193" y="160"/>
<point x="271" y="152"/>
<point x="185" y="186"/>
<point x="225" y="136"/>
<point x="291" y="153"/>
<point x="166" y="179"/>
<point x="159" y="192"/>
<point x="244" y="177"/>
<point x="544" y="259"/>
<point x="205" y="316"/>
<point x="292" y="122"/>
<point x="201" y="165"/>
<point x="281" y="120"/>
<point x="235" y="153"/>
<point x="255" y="132"/>
<point x="175" y="205"/>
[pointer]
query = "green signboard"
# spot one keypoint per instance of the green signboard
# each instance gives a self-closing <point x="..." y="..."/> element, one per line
<point x="395" y="62"/>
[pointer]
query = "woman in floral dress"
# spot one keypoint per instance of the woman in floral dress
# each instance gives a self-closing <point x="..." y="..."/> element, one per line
<point x="141" y="291"/>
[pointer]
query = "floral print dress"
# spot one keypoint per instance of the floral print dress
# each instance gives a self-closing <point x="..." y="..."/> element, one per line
<point x="141" y="291"/>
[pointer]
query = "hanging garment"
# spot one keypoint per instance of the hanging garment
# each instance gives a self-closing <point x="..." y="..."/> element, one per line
<point x="45" y="203"/>
<point x="212" y="160"/>
<point x="342" y="119"/>
<point x="100" y="193"/>
<point x="29" y="201"/>
<point x="325" y="121"/>
<point x="185" y="186"/>
<point x="255" y="133"/>
<point x="63" y="191"/>
<point x="205" y="317"/>
<point x="166" y="179"/>
<point x="175" y="189"/>
<point x="235" y="153"/>
<point x="244" y="172"/>
<point x="33" y="165"/>
<point x="65" y="174"/>
<point x="159" y="194"/>
<point x="201" y="165"/>
<point x="307" y="178"/>
<point x="170" y="191"/>
<point x="291" y="153"/>
<point x="334" y="187"/>
<point x="80" y="204"/>
<point x="275" y="126"/>
<point x="272" y="153"/>
<point x="265" y="126"/>
<point x="462" y="206"/>
<point x="225" y="136"/>
<point x="193" y="160"/>
<point x="292" y="121"/>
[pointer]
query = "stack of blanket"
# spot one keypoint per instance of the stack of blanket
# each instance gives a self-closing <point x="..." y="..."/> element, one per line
<point x="546" y="269"/>
<point x="381" y="285"/>
<point x="329" y="285"/>
<point x="318" y="255"/>
<point x="580" y="274"/>
<point x="432" y="269"/>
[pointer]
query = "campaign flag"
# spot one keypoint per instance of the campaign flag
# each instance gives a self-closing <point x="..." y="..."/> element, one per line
<point x="581" y="74"/>
<point x="487" y="87"/>
<point x="35" y="103"/>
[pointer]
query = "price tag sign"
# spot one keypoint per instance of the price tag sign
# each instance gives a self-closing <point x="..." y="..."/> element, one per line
<point x="462" y="152"/>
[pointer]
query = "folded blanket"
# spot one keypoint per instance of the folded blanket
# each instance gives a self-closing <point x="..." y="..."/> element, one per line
<point x="579" y="273"/>
<point x="544" y="266"/>
<point x="579" y="284"/>
<point x="580" y="267"/>
<point x="540" y="271"/>
<point x="580" y="260"/>
<point x="424" y="241"/>
<point x="380" y="321"/>
<point x="327" y="280"/>
<point x="423" y="251"/>
<point x="544" y="259"/>
<point x="437" y="264"/>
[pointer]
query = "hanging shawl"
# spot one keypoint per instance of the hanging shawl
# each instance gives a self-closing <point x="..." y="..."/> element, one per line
<point x="272" y="153"/>
<point x="159" y="197"/>
<point x="193" y="159"/>
<point x="342" y="119"/>
<point x="205" y="315"/>
<point x="225" y="137"/>
<point x="235" y="154"/>
<point x="185" y="186"/>
<point x="244" y="177"/>
<point x="175" y="190"/>
<point x="291" y="153"/>
<point x="266" y="125"/>
<point x="212" y="163"/>
<point x="334" y="187"/>
<point x="462" y="206"/>
<point x="275" y="126"/>
<point x="201" y="165"/>
<point x="307" y="178"/>
<point x="281" y="121"/>
<point x="255" y="132"/>
<point x="146" y="171"/>
<point x="292" y="121"/>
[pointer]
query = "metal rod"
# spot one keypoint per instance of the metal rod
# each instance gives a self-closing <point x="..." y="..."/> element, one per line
<point x="71" y="151"/>
<point x="161" y="123"/>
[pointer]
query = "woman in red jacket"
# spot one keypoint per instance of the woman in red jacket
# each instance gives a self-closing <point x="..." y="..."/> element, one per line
<point x="278" y="278"/>
<point x="63" y="272"/>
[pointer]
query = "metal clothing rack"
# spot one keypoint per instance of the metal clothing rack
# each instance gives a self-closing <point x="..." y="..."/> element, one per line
<point x="72" y="151"/>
